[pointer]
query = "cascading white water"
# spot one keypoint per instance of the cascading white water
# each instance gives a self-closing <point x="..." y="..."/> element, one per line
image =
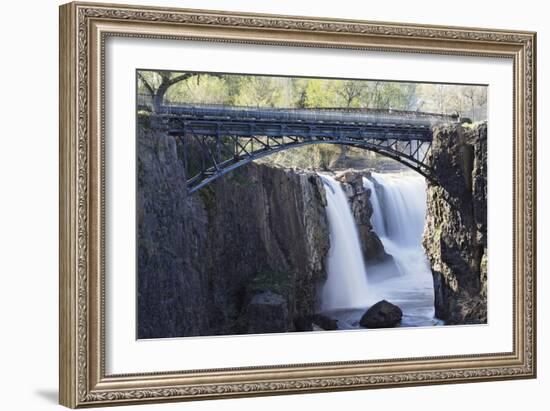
<point x="346" y="285"/>
<point x="398" y="218"/>
<point x="399" y="207"/>
<point x="400" y="204"/>
<point x="404" y="199"/>
<point x="377" y="218"/>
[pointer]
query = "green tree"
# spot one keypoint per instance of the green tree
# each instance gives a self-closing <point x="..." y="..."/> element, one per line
<point x="317" y="94"/>
<point x="259" y="91"/>
<point x="157" y="83"/>
<point x="204" y="89"/>
<point x="299" y="93"/>
<point x="350" y="91"/>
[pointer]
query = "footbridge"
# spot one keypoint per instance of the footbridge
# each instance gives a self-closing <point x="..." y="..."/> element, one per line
<point x="218" y="139"/>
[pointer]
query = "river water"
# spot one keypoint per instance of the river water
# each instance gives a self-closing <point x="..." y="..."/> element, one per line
<point x="399" y="209"/>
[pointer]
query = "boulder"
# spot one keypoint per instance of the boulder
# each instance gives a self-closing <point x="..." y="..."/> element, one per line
<point x="326" y="323"/>
<point x="316" y="322"/>
<point x="383" y="314"/>
<point x="267" y="312"/>
<point x="303" y="324"/>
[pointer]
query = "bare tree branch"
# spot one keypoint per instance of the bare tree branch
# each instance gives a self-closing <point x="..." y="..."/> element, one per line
<point x="146" y="83"/>
<point x="179" y="78"/>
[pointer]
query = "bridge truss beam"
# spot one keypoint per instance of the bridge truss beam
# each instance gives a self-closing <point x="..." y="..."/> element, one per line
<point x="224" y="146"/>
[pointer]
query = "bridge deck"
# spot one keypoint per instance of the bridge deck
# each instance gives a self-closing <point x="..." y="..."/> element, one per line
<point x="218" y="139"/>
<point x="336" y="116"/>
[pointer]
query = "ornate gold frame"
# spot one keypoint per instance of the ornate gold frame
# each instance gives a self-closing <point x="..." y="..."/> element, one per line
<point x="83" y="30"/>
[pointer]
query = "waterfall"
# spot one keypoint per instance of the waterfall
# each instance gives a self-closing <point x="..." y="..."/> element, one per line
<point x="398" y="216"/>
<point x="404" y="198"/>
<point x="399" y="207"/>
<point x="377" y="218"/>
<point x="346" y="285"/>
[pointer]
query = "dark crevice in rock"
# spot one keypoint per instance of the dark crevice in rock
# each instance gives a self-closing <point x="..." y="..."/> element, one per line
<point x="360" y="202"/>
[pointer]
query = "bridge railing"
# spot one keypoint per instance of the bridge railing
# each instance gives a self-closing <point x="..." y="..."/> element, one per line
<point x="339" y="115"/>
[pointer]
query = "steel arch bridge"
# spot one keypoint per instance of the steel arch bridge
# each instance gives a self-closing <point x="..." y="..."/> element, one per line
<point x="217" y="139"/>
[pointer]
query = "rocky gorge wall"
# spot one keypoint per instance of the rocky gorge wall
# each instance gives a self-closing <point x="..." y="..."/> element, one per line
<point x="244" y="254"/>
<point x="455" y="236"/>
<point x="169" y="273"/>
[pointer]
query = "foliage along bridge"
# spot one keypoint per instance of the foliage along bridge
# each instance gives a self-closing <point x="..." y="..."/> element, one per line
<point x="219" y="139"/>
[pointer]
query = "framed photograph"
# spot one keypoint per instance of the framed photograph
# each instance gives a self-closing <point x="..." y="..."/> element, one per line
<point x="260" y="204"/>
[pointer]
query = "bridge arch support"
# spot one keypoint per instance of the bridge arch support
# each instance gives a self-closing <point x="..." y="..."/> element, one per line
<point x="412" y="154"/>
<point x="217" y="140"/>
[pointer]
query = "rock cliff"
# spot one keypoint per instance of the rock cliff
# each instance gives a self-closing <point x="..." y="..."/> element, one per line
<point x="203" y="258"/>
<point x="361" y="207"/>
<point x="455" y="236"/>
<point x="169" y="243"/>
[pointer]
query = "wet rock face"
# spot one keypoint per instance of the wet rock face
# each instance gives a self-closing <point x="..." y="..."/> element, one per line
<point x="361" y="207"/>
<point x="199" y="254"/>
<point x="383" y="314"/>
<point x="455" y="236"/>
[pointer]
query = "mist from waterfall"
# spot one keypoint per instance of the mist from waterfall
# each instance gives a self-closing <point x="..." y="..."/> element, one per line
<point x="346" y="285"/>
